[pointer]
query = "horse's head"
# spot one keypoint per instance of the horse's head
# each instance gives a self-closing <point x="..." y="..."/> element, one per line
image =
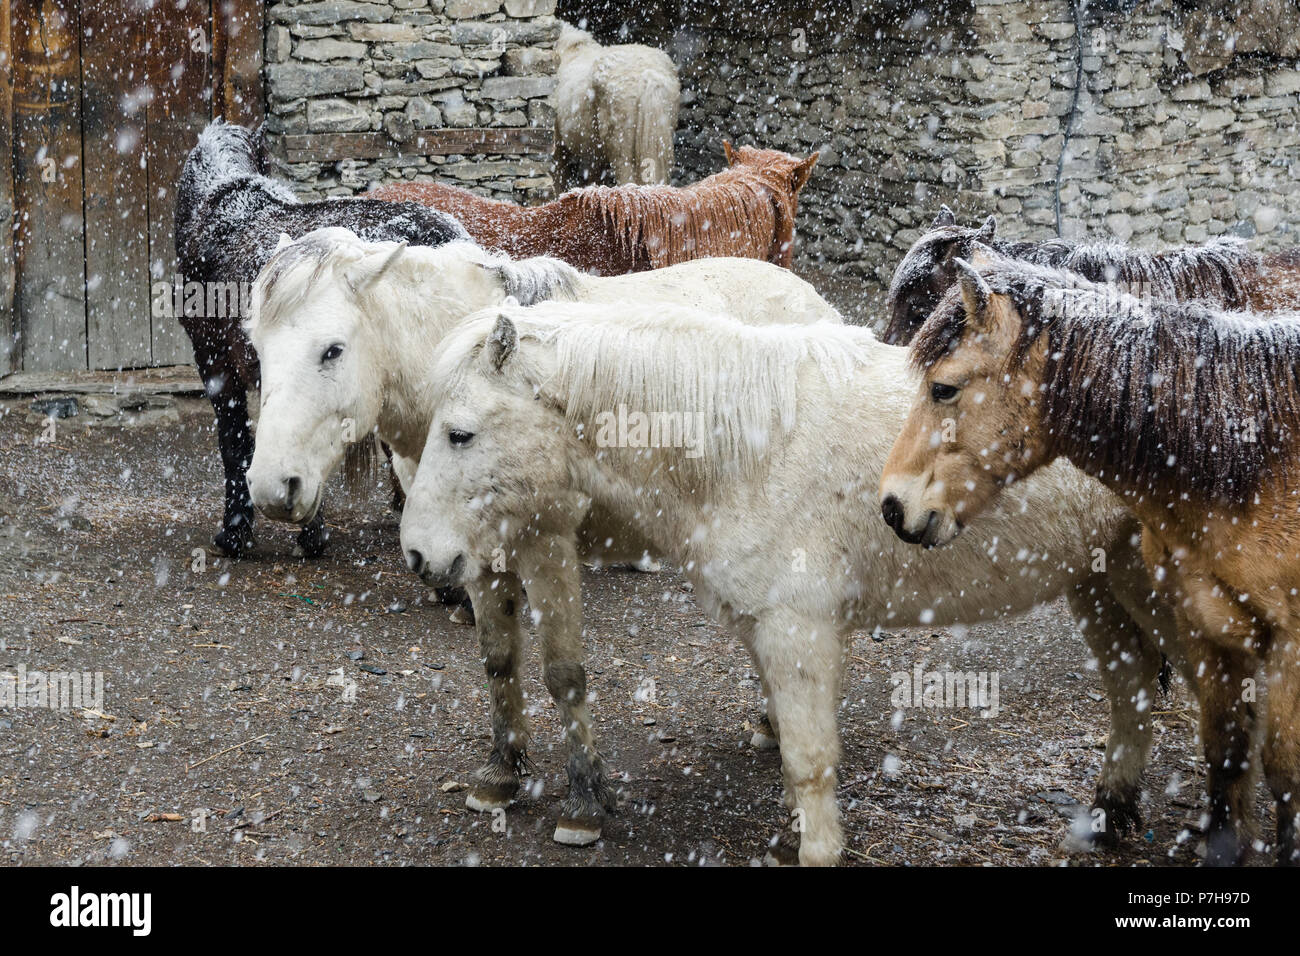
<point x="927" y="272"/>
<point x="319" y="391"/>
<point x="570" y="39"/>
<point x="791" y="169"/>
<point x="496" y="465"/>
<point x="976" y="424"/>
<point x="785" y="175"/>
<point x="224" y="151"/>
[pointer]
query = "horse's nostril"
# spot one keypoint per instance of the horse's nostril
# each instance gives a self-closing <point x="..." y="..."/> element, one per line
<point x="414" y="560"/>
<point x="292" y="486"/>
<point x="892" y="511"/>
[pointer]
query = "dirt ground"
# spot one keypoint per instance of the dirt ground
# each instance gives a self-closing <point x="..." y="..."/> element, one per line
<point x="224" y="737"/>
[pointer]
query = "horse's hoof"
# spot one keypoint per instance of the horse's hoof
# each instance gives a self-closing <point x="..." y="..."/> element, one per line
<point x="1114" y="816"/>
<point x="764" y="737"/>
<point x="450" y="595"/>
<point x="577" y="831"/>
<point x="462" y="614"/>
<point x="1223" y="848"/>
<point x="234" y="544"/>
<point x="486" y="797"/>
<point x="783" y="850"/>
<point x="311" y="544"/>
<point x="648" y="565"/>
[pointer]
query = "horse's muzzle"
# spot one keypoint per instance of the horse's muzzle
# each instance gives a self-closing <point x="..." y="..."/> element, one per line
<point x="449" y="576"/>
<point x="891" y="509"/>
<point x="287" y="501"/>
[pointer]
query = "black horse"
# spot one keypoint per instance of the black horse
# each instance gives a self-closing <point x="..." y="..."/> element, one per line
<point x="229" y="217"/>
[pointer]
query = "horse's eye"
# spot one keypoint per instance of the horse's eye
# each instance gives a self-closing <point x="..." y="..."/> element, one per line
<point x="331" y="353"/>
<point x="459" y="437"/>
<point x="943" y="394"/>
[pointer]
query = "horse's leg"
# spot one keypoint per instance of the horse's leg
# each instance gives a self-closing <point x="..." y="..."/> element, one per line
<point x="497" y="600"/>
<point x="228" y="394"/>
<point x="765" y="736"/>
<point x="1218" y="635"/>
<point x="1130" y="666"/>
<point x="1282" y="742"/>
<point x="802" y="661"/>
<point x="551" y="575"/>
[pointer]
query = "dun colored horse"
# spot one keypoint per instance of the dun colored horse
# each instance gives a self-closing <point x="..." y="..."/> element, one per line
<point x="229" y="218"/>
<point x="1193" y="416"/>
<point x="1223" y="272"/>
<point x="747" y="211"/>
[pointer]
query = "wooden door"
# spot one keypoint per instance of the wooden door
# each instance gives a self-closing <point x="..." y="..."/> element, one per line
<point x="107" y="98"/>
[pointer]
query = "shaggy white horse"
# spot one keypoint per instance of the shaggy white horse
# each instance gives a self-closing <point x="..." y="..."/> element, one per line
<point x="615" y="111"/>
<point x="771" y="513"/>
<point x="346" y="331"/>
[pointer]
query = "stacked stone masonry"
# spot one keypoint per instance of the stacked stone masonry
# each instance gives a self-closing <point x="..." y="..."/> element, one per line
<point x="403" y="66"/>
<point x="1184" y="127"/>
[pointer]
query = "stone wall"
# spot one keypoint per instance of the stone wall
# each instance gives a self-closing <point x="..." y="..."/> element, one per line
<point x="1185" y="126"/>
<point x="401" y="66"/>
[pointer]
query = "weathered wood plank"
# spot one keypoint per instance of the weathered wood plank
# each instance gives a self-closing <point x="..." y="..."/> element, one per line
<point x="9" y="353"/>
<point x="331" y="147"/>
<point x="49" y="242"/>
<point x="118" y="327"/>
<point x="167" y="380"/>
<point x="237" y="32"/>
<point x="178" y="64"/>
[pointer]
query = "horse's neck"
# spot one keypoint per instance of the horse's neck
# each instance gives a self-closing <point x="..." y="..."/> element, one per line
<point x="623" y="483"/>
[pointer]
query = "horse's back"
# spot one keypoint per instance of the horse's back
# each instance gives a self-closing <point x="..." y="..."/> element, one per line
<point x="763" y="293"/>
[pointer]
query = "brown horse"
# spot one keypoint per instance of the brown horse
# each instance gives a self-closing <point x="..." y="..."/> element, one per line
<point x="1189" y="413"/>
<point x="747" y="210"/>
<point x="1223" y="272"/>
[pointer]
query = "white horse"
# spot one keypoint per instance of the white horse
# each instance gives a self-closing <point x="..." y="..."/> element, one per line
<point x="347" y="332"/>
<point x="772" y="515"/>
<point x="615" y="110"/>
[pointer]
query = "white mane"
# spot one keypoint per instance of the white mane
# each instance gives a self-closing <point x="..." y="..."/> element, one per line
<point x="442" y="274"/>
<point x="657" y="359"/>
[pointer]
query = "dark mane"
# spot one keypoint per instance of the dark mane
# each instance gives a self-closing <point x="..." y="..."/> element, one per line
<point x="1223" y="272"/>
<point x="1174" y="397"/>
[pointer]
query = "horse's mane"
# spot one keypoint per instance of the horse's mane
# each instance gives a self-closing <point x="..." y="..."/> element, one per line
<point x="1175" y="397"/>
<point x="741" y="379"/>
<point x="1222" y="271"/>
<point x="734" y="212"/>
<point x="296" y="268"/>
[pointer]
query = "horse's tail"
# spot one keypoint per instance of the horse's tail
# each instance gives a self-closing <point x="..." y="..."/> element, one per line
<point x="361" y="466"/>
<point x="656" y="122"/>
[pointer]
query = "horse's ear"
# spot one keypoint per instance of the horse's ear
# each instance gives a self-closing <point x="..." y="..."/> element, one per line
<point x="285" y="240"/>
<point x="367" y="269"/>
<point x="801" y="172"/>
<point x="987" y="230"/>
<point x="503" y="341"/>
<point x="945" y="218"/>
<point x="729" y="153"/>
<point x="261" y="148"/>
<point x="975" y="291"/>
